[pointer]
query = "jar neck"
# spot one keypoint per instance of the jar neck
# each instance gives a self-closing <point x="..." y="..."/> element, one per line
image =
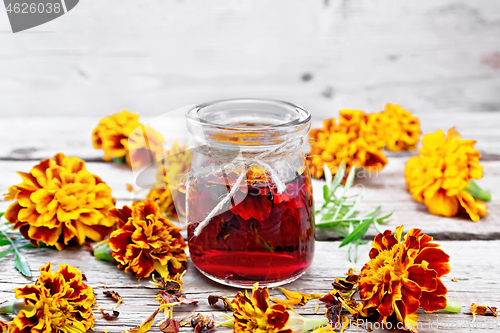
<point x="249" y="125"/>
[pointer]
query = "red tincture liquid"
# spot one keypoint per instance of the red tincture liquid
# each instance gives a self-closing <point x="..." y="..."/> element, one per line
<point x="262" y="236"/>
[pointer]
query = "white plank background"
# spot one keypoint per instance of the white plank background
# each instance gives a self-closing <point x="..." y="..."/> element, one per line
<point x="153" y="56"/>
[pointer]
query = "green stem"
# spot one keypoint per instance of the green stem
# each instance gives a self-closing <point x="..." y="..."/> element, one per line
<point x="477" y="192"/>
<point x="119" y="160"/>
<point x="104" y="253"/>
<point x="452" y="306"/>
<point x="14" y="306"/>
<point x="7" y="307"/>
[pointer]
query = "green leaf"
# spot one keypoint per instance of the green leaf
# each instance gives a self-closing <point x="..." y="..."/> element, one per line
<point x="4" y="242"/>
<point x="1" y="214"/>
<point x="349" y="180"/>
<point x="338" y="178"/>
<point x="328" y="175"/>
<point x="352" y="211"/>
<point x="326" y="193"/>
<point x="359" y="232"/>
<point x="6" y="252"/>
<point x="21" y="265"/>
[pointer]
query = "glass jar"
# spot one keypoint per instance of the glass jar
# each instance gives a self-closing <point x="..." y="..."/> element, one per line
<point x="249" y="204"/>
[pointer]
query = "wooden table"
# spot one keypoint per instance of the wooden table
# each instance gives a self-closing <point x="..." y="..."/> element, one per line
<point x="473" y="247"/>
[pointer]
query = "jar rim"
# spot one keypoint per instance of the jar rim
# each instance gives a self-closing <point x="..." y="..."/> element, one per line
<point x="299" y="116"/>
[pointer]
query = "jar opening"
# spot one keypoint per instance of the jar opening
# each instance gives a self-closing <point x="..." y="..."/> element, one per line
<point x="252" y="121"/>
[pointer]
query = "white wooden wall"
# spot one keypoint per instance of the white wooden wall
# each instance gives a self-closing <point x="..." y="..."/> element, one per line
<point x="151" y="56"/>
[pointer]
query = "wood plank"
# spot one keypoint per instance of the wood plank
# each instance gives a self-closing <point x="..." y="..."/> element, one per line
<point x="72" y="136"/>
<point x="355" y="57"/>
<point x="386" y="188"/>
<point x="476" y="273"/>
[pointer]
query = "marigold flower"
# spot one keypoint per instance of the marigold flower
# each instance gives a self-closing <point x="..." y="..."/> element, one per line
<point x="60" y="203"/>
<point x="439" y="176"/>
<point x="394" y="128"/>
<point x="402" y="276"/>
<point x="57" y="302"/>
<point x="3" y="327"/>
<point x="146" y="241"/>
<point x="256" y="315"/>
<point x="344" y="141"/>
<point x="121" y="134"/>
<point x="178" y="160"/>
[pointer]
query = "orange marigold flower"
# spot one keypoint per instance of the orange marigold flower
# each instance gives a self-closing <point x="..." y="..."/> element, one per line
<point x="122" y="135"/>
<point x="61" y="203"/>
<point x="3" y="327"/>
<point x="57" y="302"/>
<point x="344" y="141"/>
<point x="394" y="128"/>
<point x="178" y="163"/>
<point x="402" y="276"/>
<point x="146" y="241"/>
<point x="256" y="315"/>
<point x="439" y="176"/>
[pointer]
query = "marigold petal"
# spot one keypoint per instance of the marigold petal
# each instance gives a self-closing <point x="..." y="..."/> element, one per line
<point x="440" y="204"/>
<point x="435" y="300"/>
<point x="436" y="258"/>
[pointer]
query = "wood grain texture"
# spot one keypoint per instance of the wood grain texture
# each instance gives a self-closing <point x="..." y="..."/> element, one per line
<point x="476" y="273"/>
<point x="153" y="56"/>
<point x="386" y="188"/>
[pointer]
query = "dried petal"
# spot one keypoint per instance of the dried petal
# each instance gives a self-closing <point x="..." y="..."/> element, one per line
<point x="109" y="314"/>
<point x="170" y="325"/>
<point x="146" y="325"/>
<point x="113" y="294"/>
<point x="482" y="309"/>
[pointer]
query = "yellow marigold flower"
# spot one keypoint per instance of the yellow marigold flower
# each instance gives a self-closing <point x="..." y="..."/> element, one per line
<point x="344" y="141"/>
<point x="57" y="302"/>
<point x="178" y="163"/>
<point x="439" y="176"/>
<point x="402" y="276"/>
<point x="61" y="203"/>
<point x="254" y="314"/>
<point x="144" y="146"/>
<point x="146" y="241"/>
<point x="111" y="134"/>
<point x="121" y="135"/>
<point x="394" y="128"/>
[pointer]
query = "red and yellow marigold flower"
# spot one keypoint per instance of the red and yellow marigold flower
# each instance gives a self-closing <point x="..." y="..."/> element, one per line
<point x="146" y="241"/>
<point x="3" y="326"/>
<point x="60" y="203"/>
<point x="57" y="302"/>
<point x="402" y="276"/>
<point x="344" y="141"/>
<point x="255" y="314"/>
<point x="177" y="164"/>
<point x="395" y="128"/>
<point x="122" y="136"/>
<point x="441" y="176"/>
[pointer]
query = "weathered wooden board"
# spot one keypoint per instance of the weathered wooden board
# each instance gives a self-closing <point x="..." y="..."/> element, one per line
<point x="153" y="56"/>
<point x="72" y="136"/>
<point x="474" y="265"/>
<point x="386" y="188"/>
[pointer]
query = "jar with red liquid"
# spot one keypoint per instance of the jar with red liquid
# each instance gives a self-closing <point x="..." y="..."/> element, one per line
<point x="249" y="204"/>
